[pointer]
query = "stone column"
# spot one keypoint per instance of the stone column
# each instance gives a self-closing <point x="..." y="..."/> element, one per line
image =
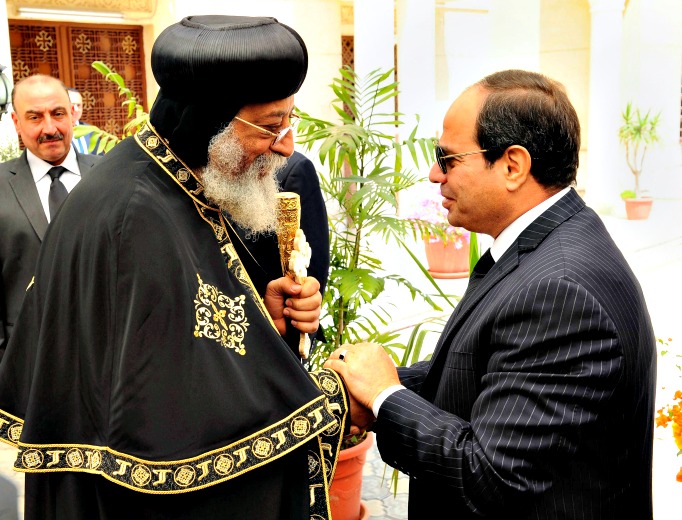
<point x="417" y="64"/>
<point x="319" y="24"/>
<point x="374" y="35"/>
<point x="603" y="148"/>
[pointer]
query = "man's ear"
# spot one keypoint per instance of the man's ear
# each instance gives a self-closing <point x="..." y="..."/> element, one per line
<point x="15" y="120"/>
<point x="517" y="163"/>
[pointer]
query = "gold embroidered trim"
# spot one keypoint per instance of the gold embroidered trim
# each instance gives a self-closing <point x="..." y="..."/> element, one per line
<point x="220" y="317"/>
<point x="322" y="463"/>
<point x="319" y="418"/>
<point x="10" y="428"/>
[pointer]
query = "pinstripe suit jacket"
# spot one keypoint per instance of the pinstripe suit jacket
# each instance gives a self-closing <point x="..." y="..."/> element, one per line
<point x="23" y="223"/>
<point x="538" y="402"/>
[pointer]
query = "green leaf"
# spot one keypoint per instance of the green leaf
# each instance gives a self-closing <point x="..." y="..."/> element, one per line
<point x="474" y="252"/>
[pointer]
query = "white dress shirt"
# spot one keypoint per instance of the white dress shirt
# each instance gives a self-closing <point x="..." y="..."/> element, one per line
<point x="39" y="169"/>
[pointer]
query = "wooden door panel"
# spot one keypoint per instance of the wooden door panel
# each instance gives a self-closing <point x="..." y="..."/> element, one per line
<point x="34" y="49"/>
<point x="66" y="51"/>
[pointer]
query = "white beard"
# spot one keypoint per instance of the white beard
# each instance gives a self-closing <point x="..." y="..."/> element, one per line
<point x="248" y="195"/>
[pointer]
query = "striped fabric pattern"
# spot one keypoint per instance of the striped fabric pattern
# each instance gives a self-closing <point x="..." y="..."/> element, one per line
<point x="538" y="402"/>
<point x="80" y="144"/>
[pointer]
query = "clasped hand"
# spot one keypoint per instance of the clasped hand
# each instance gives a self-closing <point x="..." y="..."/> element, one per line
<point x="366" y="370"/>
<point x="301" y="303"/>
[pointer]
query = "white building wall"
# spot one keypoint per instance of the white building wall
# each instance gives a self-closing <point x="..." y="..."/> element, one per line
<point x="515" y="34"/>
<point x="651" y="76"/>
<point x="374" y="25"/>
<point x="565" y="56"/>
<point x="604" y="104"/>
<point x="464" y="51"/>
<point x="374" y="36"/>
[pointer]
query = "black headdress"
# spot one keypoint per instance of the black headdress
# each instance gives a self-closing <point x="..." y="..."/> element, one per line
<point x="209" y="67"/>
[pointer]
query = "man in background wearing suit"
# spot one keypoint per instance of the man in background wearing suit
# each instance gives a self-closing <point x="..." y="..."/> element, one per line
<point x="28" y="195"/>
<point x="82" y="143"/>
<point x="539" y="398"/>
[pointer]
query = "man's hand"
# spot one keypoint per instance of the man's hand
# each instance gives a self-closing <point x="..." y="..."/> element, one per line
<point x="285" y="298"/>
<point x="366" y="370"/>
<point x="361" y="418"/>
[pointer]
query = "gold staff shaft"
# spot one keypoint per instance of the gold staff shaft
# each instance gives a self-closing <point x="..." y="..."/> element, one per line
<point x="288" y="222"/>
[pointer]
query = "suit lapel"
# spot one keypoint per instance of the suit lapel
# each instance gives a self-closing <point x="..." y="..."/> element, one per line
<point x="25" y="191"/>
<point x="24" y="188"/>
<point x="528" y="240"/>
<point x="85" y="162"/>
<point x="506" y="264"/>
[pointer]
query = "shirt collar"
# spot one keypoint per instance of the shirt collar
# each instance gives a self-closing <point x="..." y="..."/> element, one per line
<point x="39" y="168"/>
<point x="509" y="234"/>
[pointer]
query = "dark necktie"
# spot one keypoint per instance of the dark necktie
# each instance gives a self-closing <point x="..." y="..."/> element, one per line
<point x="480" y="270"/>
<point x="57" y="190"/>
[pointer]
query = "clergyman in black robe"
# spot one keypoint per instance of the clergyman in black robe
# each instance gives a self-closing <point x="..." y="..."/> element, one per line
<point x="146" y="378"/>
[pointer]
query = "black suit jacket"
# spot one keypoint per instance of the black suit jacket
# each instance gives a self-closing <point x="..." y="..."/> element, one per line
<point x="262" y="260"/>
<point x="539" y="399"/>
<point x="23" y="223"/>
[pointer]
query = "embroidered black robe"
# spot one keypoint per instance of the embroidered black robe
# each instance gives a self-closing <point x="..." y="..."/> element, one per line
<point x="145" y="378"/>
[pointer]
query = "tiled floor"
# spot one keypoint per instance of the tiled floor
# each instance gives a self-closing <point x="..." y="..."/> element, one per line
<point x="11" y="484"/>
<point x="377" y="489"/>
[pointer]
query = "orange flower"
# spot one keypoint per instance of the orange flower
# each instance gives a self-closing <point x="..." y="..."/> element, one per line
<point x="672" y="414"/>
<point x="677" y="434"/>
<point x="662" y="419"/>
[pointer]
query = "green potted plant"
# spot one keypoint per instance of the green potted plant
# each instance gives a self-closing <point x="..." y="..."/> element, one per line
<point x="638" y="131"/>
<point x="364" y="174"/>
<point x="363" y="177"/>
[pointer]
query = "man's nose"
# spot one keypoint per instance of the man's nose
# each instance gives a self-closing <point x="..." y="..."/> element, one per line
<point x="49" y="126"/>
<point x="285" y="146"/>
<point x="436" y="174"/>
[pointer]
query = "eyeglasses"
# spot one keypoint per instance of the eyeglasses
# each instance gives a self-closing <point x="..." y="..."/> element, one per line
<point x="441" y="157"/>
<point x="293" y="121"/>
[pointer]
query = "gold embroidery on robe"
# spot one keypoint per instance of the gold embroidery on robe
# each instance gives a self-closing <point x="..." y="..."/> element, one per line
<point x="220" y="317"/>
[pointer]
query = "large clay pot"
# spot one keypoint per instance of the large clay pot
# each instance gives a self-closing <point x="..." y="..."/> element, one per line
<point x="346" y="488"/>
<point x="445" y="260"/>
<point x="638" y="209"/>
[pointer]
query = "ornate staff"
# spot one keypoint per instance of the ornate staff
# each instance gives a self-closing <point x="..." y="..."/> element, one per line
<point x="294" y="250"/>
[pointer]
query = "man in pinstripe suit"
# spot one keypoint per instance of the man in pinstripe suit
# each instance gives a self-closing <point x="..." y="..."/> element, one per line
<point x="538" y="401"/>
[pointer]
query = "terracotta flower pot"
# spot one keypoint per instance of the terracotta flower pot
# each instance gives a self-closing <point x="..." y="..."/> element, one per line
<point x="445" y="259"/>
<point x="346" y="488"/>
<point x="638" y="209"/>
